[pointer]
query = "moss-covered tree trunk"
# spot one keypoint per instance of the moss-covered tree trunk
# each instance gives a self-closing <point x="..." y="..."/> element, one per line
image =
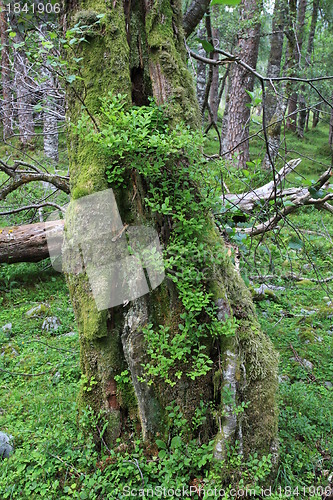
<point x="137" y="49"/>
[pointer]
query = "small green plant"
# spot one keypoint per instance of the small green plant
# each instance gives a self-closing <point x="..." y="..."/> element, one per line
<point x="169" y="160"/>
<point x="88" y="384"/>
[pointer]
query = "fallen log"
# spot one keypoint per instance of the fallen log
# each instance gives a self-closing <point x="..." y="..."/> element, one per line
<point x="286" y="200"/>
<point x="248" y="200"/>
<point x="28" y="243"/>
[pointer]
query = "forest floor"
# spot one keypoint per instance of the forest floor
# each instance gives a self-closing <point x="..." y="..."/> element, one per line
<point x="40" y="373"/>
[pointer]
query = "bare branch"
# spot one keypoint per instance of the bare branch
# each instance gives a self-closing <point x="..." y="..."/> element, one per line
<point x="247" y="201"/>
<point x="31" y="207"/>
<point x="194" y="14"/>
<point x="19" y="178"/>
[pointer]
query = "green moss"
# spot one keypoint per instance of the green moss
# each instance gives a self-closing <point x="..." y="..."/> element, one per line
<point x="104" y="67"/>
<point x="91" y="322"/>
<point x="168" y="63"/>
<point x="86" y="17"/>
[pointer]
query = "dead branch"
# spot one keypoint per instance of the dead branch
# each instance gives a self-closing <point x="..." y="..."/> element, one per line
<point x="247" y="201"/>
<point x="18" y="177"/>
<point x="289" y="276"/>
<point x="295" y="197"/>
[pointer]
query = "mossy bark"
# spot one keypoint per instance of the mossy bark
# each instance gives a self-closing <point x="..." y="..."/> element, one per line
<point x="140" y="51"/>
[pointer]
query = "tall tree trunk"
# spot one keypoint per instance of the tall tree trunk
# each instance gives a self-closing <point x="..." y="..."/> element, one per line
<point x="275" y="123"/>
<point x="301" y="114"/>
<point x="314" y="18"/>
<point x="299" y="33"/>
<point x="275" y="57"/>
<point x="304" y="114"/>
<point x="292" y="112"/>
<point x="5" y="76"/>
<point x="113" y="340"/>
<point x="214" y="88"/>
<point x="241" y="80"/>
<point x="274" y="107"/>
<point x="24" y="86"/>
<point x="316" y="115"/>
<point x="330" y="137"/>
<point x="224" y="128"/>
<point x="50" y="122"/>
<point x="201" y="69"/>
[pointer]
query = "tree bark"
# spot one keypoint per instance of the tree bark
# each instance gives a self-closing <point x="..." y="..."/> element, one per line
<point x="5" y="76"/>
<point x="275" y="57"/>
<point x="214" y="88"/>
<point x="274" y="107"/>
<point x="194" y="14"/>
<point x="275" y="123"/>
<point x="240" y="81"/>
<point x="304" y="114"/>
<point x="29" y="243"/>
<point x="201" y="69"/>
<point x="24" y="87"/>
<point x="316" y="115"/>
<point x="330" y="138"/>
<point x="50" y="122"/>
<point x="299" y="33"/>
<point x="113" y="340"/>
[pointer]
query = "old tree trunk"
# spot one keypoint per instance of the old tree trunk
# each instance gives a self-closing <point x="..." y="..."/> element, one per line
<point x="241" y="81"/>
<point x="138" y="50"/>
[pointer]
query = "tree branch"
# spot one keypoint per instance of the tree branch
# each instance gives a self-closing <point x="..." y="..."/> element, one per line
<point x="20" y="177"/>
<point x="194" y="14"/>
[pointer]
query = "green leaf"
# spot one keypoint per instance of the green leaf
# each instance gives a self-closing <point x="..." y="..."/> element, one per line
<point x="160" y="444"/>
<point x="317" y="194"/>
<point x="71" y="78"/>
<point x="12" y="34"/>
<point x="231" y="3"/>
<point x="206" y="45"/>
<point x="162" y="454"/>
<point x="176" y="442"/>
<point x="295" y="243"/>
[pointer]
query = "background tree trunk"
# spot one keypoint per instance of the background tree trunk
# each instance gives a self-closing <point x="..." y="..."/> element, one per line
<point x="50" y="122"/>
<point x="299" y="34"/>
<point x="24" y="91"/>
<point x="214" y="88"/>
<point x="274" y="130"/>
<point x="330" y="138"/>
<point x="201" y="69"/>
<point x="113" y="340"/>
<point x="274" y="107"/>
<point x="304" y="114"/>
<point x="316" y="115"/>
<point x="275" y="57"/>
<point x="241" y="80"/>
<point x="5" y="76"/>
